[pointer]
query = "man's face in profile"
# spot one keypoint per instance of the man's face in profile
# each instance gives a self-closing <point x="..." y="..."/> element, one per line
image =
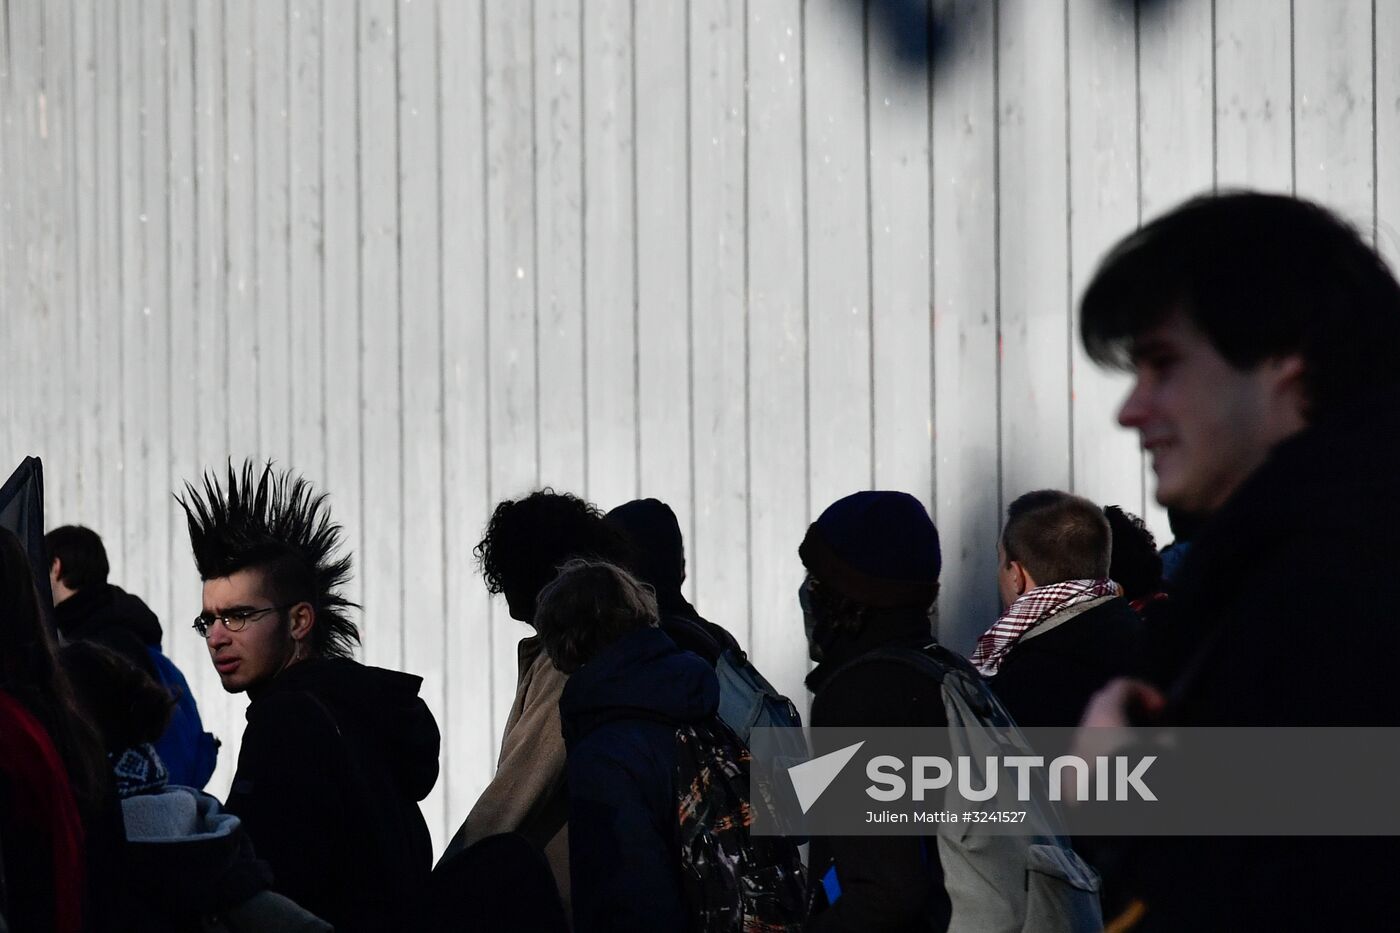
<point x="1206" y="424"/>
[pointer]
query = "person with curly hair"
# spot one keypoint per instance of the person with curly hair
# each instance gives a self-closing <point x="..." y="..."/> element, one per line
<point x="526" y="542"/>
<point x="336" y="755"/>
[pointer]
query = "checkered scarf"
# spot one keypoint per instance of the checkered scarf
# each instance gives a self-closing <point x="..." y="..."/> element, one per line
<point x="1028" y="611"/>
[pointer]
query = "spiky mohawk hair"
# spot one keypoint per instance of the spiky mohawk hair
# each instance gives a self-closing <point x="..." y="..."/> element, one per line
<point x="276" y="522"/>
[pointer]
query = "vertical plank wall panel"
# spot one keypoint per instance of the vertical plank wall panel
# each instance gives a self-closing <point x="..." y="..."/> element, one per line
<point x="469" y="733"/>
<point x="63" y="399"/>
<point x="106" y="314"/>
<point x="1177" y="135"/>
<point x="778" y="485"/>
<point x="22" y="150"/>
<point x="244" y="376"/>
<point x="154" y="362"/>
<point x="609" y="251"/>
<point x="130" y="307"/>
<point x="85" y="378"/>
<point x="51" y="280"/>
<point x="381" y="436"/>
<point x="1033" y="255"/>
<point x="1253" y="95"/>
<point x="9" y="172"/>
<point x="512" y="434"/>
<point x="664" y="374"/>
<point x="558" y="204"/>
<point x="1107" y="465"/>
<point x="901" y="259"/>
<point x="420" y="313"/>
<point x="340" y="282"/>
<point x="719" y="559"/>
<point x="1387" y="141"/>
<point x="1332" y="101"/>
<point x="838" y="266"/>
<point x="275" y="366"/>
<point x="183" y="595"/>
<point x="306" y="308"/>
<point x="965" y="326"/>
<point x="220" y="712"/>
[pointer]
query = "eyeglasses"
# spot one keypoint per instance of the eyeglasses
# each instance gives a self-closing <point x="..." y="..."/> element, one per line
<point x="234" y="620"/>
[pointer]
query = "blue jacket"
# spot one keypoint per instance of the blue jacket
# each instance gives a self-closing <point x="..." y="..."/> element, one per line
<point x="619" y="714"/>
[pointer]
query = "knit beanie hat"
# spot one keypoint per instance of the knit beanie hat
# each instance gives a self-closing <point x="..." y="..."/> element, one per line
<point x="877" y="548"/>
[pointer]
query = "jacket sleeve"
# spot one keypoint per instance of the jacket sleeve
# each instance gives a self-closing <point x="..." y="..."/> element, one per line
<point x="622" y="841"/>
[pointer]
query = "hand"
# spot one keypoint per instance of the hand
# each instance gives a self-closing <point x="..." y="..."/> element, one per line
<point x="1106" y="727"/>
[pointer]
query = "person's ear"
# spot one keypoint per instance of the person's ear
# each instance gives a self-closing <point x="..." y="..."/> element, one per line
<point x="55" y="570"/>
<point x="303" y="618"/>
<point x="1024" y="583"/>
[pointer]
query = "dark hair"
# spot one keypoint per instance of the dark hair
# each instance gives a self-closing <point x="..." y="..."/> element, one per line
<point x="30" y="672"/>
<point x="121" y="700"/>
<point x="527" y="540"/>
<point x="587" y="607"/>
<point x="274" y="523"/>
<point x="1261" y="275"/>
<point x="81" y="556"/>
<point x="1136" y="566"/>
<point x="1057" y="536"/>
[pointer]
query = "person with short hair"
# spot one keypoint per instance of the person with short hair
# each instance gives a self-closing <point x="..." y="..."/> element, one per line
<point x="1135" y="565"/>
<point x="1066" y="630"/>
<point x="336" y="755"/>
<point x="629" y="689"/>
<point x="1260" y="331"/>
<point x="88" y="607"/>
<point x="656" y="555"/>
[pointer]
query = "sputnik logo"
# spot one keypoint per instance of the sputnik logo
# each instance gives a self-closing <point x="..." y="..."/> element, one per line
<point x="811" y="778"/>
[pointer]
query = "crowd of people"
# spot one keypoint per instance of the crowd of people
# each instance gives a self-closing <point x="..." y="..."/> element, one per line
<point x="1259" y="330"/>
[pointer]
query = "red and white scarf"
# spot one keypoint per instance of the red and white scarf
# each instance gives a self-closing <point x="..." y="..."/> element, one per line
<point x="1029" y="610"/>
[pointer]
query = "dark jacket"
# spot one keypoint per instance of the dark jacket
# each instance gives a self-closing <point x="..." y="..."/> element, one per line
<point x="1280" y="617"/>
<point x="112" y="617"/>
<point x="891" y="884"/>
<point x="691" y="632"/>
<point x="1047" y="678"/>
<point x="334" y="761"/>
<point x="619" y="714"/>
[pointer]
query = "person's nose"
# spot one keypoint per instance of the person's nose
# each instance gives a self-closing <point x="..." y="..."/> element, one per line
<point x="218" y="636"/>
<point x="1133" y="412"/>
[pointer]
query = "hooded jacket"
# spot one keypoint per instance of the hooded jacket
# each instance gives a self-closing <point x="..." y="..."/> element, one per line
<point x="114" y="618"/>
<point x="619" y="714"/>
<point x="1279" y="617"/>
<point x="334" y="761"/>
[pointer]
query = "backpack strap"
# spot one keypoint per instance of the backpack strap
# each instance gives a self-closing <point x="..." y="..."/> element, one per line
<point x="932" y="660"/>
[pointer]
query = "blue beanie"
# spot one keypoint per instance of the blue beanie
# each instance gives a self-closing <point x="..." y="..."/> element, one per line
<point x="877" y="548"/>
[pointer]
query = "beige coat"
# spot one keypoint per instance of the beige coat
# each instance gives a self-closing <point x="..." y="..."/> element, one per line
<point x="528" y="795"/>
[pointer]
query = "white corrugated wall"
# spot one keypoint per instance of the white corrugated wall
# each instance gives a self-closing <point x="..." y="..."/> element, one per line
<point x="728" y="253"/>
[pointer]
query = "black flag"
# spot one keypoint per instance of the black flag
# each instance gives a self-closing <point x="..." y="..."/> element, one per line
<point x="22" y="512"/>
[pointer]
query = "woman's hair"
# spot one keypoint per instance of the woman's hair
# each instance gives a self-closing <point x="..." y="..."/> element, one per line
<point x="528" y="539"/>
<point x="30" y="672"/>
<point x="587" y="607"/>
<point x="121" y="700"/>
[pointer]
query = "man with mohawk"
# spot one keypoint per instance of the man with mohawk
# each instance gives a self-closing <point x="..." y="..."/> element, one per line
<point x="336" y="755"/>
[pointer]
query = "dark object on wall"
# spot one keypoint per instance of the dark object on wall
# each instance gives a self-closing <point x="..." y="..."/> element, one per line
<point x="22" y="511"/>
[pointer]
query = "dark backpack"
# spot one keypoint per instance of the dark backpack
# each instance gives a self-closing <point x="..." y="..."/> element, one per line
<point x="189" y="753"/>
<point x="733" y="880"/>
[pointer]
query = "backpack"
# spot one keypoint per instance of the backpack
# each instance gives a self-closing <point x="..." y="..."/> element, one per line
<point x="1034" y="883"/>
<point x="734" y="882"/>
<point x="189" y="753"/>
<point x="747" y="701"/>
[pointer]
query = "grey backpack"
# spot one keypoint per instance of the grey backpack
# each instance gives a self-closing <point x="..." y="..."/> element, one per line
<point x="1032" y="883"/>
